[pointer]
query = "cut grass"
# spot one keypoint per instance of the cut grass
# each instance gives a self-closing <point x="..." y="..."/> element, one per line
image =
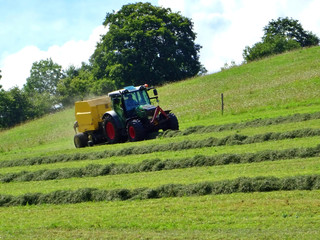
<point x="209" y="151"/>
<point x="276" y="215"/>
<point x="285" y="168"/>
<point x="242" y="184"/>
<point x="94" y="170"/>
<point x="249" y="131"/>
<point x="235" y="139"/>
<point x="54" y="145"/>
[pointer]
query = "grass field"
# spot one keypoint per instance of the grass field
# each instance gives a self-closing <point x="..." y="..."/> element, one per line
<point x="268" y="136"/>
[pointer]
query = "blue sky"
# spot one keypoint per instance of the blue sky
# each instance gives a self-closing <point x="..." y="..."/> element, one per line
<point x="68" y="30"/>
<point x="44" y="23"/>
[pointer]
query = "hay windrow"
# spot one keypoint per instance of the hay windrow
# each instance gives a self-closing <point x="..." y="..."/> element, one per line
<point x="235" y="139"/>
<point x="94" y="170"/>
<point x="243" y="184"/>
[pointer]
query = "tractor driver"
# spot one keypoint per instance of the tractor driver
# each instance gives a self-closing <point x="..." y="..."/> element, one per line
<point x="130" y="103"/>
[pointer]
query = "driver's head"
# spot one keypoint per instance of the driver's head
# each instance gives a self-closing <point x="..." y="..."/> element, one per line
<point x="130" y="97"/>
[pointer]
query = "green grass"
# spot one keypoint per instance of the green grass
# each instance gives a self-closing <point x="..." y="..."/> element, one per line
<point x="275" y="84"/>
<point x="278" y="86"/>
<point x="275" y="215"/>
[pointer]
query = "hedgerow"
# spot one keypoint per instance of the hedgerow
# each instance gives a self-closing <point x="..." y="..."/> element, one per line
<point x="243" y="184"/>
<point x="235" y="139"/>
<point x="94" y="170"/>
<point x="299" y="117"/>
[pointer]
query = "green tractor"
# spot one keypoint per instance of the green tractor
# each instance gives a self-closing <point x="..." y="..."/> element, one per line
<point x="123" y="114"/>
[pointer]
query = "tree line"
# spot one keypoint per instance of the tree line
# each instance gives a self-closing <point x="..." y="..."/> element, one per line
<point x="144" y="44"/>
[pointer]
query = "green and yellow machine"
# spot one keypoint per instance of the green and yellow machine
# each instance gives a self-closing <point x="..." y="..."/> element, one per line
<point x="123" y="114"/>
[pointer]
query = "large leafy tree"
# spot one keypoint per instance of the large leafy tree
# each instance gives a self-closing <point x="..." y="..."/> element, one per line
<point x="290" y="29"/>
<point x="41" y="86"/>
<point x="146" y="44"/>
<point x="44" y="77"/>
<point x="280" y="35"/>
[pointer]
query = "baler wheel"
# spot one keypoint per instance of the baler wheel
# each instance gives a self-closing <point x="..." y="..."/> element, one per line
<point x="80" y="140"/>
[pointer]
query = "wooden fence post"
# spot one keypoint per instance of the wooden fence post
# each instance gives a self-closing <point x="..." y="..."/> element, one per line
<point x="222" y="104"/>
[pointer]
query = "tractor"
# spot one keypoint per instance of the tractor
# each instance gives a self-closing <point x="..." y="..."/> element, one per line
<point x="122" y="115"/>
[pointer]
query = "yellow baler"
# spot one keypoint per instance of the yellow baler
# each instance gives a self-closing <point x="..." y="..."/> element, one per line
<point x="89" y="113"/>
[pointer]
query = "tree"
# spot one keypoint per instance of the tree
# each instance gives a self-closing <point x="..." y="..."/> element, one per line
<point x="41" y="86"/>
<point x="15" y="107"/>
<point x="146" y="44"/>
<point x="44" y="77"/>
<point x="280" y="35"/>
<point x="290" y="29"/>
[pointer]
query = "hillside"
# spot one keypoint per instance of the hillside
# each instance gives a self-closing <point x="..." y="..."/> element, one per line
<point x="245" y="174"/>
<point x="284" y="84"/>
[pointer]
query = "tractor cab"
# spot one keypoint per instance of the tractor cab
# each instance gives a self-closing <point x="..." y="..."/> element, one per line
<point x="132" y="102"/>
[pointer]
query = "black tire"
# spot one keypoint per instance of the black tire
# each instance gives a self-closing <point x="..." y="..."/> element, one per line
<point x="80" y="140"/>
<point x="173" y="123"/>
<point x="135" y="130"/>
<point x="111" y="132"/>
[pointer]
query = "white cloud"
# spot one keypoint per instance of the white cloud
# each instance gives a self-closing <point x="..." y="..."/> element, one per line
<point x="310" y="17"/>
<point x="16" y="67"/>
<point x="225" y="27"/>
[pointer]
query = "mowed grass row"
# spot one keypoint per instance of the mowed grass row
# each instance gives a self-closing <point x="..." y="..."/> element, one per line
<point x="271" y="215"/>
<point x="235" y="139"/>
<point x="158" y="164"/>
<point x="163" y="155"/>
<point x="284" y="168"/>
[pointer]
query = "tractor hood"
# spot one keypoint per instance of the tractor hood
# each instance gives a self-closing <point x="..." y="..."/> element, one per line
<point x="147" y="107"/>
<point x="145" y="110"/>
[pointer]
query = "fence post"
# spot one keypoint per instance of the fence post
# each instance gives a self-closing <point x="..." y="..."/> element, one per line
<point x="222" y="104"/>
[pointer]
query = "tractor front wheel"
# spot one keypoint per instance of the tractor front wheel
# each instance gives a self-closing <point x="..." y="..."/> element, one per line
<point x="135" y="130"/>
<point x="111" y="132"/>
<point x="173" y="123"/>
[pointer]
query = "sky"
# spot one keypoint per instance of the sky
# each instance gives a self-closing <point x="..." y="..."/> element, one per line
<point x="68" y="30"/>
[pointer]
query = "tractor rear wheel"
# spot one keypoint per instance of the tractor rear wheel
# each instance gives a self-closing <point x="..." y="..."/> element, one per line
<point x="173" y="123"/>
<point x="111" y="132"/>
<point x="135" y="130"/>
<point x="80" y="140"/>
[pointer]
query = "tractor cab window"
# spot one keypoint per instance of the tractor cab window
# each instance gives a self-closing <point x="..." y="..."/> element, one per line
<point x="135" y="99"/>
<point x="130" y="101"/>
<point x="143" y="98"/>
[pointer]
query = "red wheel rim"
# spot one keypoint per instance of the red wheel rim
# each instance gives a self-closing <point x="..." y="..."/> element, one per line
<point x="110" y="131"/>
<point x="132" y="132"/>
